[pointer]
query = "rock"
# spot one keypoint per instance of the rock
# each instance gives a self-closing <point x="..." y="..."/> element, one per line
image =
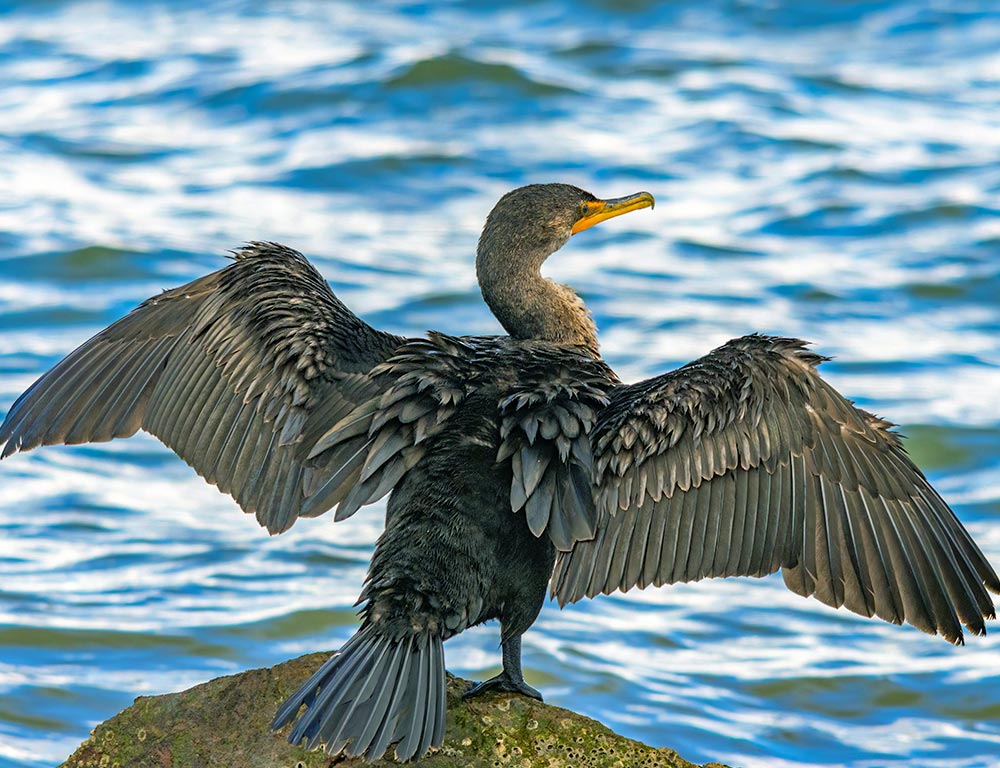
<point x="225" y="723"/>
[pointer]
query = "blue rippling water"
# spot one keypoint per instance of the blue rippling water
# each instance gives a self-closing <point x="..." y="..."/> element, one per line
<point x="824" y="170"/>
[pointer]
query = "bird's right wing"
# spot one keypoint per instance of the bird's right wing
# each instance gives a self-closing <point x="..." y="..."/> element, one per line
<point x="240" y="372"/>
<point x="746" y="462"/>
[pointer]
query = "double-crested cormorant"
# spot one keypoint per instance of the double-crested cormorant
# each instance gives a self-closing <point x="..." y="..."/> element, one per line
<point x="513" y="462"/>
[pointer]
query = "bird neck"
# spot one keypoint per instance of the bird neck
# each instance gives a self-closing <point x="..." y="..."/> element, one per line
<point x="530" y="306"/>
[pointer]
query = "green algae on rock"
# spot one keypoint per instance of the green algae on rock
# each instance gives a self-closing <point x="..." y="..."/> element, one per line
<point x="225" y="723"/>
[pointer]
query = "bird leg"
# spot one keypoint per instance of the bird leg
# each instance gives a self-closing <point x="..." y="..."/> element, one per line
<point x="511" y="679"/>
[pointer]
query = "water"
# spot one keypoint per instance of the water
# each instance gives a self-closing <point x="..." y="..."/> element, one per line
<point x="824" y="170"/>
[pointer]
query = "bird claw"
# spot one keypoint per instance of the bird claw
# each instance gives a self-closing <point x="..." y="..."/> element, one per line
<point x="502" y="682"/>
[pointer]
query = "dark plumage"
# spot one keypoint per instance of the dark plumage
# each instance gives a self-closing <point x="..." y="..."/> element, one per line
<point x="513" y="462"/>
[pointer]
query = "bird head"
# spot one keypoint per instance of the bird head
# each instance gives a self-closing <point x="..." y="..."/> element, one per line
<point x="532" y="222"/>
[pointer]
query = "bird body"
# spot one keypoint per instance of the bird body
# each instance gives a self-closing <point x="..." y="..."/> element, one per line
<point x="514" y="464"/>
<point x="467" y="433"/>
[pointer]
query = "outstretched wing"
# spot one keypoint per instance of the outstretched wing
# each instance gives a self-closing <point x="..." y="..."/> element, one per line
<point x="240" y="372"/>
<point x="745" y="462"/>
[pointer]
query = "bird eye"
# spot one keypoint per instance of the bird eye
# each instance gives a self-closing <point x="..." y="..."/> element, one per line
<point x="584" y="208"/>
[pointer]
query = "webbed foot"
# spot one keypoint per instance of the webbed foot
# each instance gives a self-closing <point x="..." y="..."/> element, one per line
<point x="502" y="682"/>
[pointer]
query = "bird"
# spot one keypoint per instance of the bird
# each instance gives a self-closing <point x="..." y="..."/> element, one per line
<point x="516" y="465"/>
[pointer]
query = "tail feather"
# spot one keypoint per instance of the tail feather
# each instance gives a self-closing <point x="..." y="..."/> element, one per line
<point x="420" y="676"/>
<point x="332" y="724"/>
<point x="382" y="721"/>
<point x="437" y="668"/>
<point x="375" y="692"/>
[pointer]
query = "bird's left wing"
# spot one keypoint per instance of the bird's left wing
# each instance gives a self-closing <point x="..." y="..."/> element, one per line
<point x="746" y="462"/>
<point x="240" y="372"/>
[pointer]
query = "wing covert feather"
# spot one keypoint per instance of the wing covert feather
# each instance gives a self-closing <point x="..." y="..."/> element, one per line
<point x="546" y="420"/>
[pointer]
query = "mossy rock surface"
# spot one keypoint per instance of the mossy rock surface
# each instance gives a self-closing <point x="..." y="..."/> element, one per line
<point x="225" y="723"/>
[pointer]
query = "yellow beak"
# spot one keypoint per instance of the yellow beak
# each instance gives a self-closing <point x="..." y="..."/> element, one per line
<point x="599" y="210"/>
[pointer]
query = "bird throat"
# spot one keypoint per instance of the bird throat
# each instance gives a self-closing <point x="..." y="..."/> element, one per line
<point x="530" y="306"/>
